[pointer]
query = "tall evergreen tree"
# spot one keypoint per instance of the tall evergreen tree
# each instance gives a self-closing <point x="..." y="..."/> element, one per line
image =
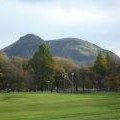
<point x="110" y="63"/>
<point x="103" y="66"/>
<point x="43" y="67"/>
<point x="104" y="63"/>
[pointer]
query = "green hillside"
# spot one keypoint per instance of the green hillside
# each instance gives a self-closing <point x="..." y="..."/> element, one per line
<point x="80" y="51"/>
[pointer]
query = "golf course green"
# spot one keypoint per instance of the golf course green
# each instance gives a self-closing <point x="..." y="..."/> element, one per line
<point x="47" y="106"/>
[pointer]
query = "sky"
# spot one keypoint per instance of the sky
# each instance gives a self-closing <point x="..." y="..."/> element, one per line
<point x="97" y="21"/>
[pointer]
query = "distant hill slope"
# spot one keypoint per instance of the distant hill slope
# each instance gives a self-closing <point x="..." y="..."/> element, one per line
<point x="24" y="47"/>
<point x="80" y="51"/>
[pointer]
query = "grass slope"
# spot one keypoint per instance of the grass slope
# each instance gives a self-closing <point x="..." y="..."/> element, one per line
<point x="36" y="106"/>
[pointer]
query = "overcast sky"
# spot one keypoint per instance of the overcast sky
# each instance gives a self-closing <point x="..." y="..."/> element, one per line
<point x="97" y="21"/>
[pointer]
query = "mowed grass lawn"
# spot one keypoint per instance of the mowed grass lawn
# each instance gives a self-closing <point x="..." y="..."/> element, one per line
<point x="38" y="106"/>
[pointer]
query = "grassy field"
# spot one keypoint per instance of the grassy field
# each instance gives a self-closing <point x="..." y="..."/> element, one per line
<point x="37" y="106"/>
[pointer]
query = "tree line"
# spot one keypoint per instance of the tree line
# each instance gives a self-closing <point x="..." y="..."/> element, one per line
<point x="43" y="72"/>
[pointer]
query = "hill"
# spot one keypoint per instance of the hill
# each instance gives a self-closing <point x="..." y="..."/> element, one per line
<point x="24" y="47"/>
<point x="80" y="51"/>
